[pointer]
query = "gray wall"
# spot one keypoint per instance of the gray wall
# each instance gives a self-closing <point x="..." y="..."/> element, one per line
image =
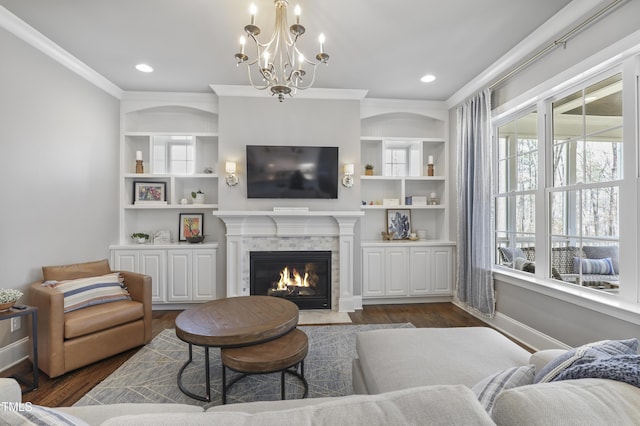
<point x="58" y="168"/>
<point x="265" y="121"/>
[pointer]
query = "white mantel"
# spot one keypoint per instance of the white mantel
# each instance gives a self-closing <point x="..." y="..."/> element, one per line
<point x="292" y="224"/>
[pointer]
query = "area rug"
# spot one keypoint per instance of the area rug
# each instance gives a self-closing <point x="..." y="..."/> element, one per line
<point x="149" y="376"/>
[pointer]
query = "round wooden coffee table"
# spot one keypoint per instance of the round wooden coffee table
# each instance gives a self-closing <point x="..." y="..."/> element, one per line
<point x="232" y="322"/>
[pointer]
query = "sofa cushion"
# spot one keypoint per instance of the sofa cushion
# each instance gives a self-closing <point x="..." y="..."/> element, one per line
<point x="401" y="358"/>
<point x="592" y="266"/>
<point x="97" y="414"/>
<point x="623" y="368"/>
<point x="584" y="402"/>
<point x="489" y="388"/>
<point x="435" y="405"/>
<point x="541" y="358"/>
<point x="83" y="292"/>
<point x="28" y="414"/>
<point x="101" y="317"/>
<point x="585" y="354"/>
<point x="510" y="253"/>
<point x="602" y="252"/>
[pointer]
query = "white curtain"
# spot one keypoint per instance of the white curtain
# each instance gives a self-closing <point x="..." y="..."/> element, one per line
<point x="475" y="282"/>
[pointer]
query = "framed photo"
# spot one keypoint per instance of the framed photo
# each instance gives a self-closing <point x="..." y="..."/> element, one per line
<point x="191" y="225"/>
<point x="399" y="223"/>
<point x="149" y="193"/>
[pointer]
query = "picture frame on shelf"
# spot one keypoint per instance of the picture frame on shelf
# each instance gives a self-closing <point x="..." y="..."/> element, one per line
<point x="399" y="223"/>
<point x="149" y="193"/>
<point x="191" y="225"/>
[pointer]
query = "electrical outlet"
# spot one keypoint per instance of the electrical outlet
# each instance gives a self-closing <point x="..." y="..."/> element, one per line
<point x="15" y="324"/>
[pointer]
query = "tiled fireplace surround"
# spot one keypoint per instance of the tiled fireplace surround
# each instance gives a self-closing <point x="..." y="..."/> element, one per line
<point x="292" y="231"/>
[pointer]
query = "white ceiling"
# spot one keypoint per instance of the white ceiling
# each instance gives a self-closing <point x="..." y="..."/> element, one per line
<point x="382" y="46"/>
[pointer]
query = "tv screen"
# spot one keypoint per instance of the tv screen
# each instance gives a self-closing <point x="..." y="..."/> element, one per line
<point x="292" y="171"/>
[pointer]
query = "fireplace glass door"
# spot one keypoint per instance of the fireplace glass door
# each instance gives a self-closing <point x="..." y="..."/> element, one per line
<point x="304" y="277"/>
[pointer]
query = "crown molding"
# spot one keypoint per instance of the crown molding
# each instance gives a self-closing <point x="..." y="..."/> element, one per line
<point x="312" y="93"/>
<point x="30" y="35"/>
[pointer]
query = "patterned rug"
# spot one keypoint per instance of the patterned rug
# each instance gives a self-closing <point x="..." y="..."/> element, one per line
<point x="149" y="376"/>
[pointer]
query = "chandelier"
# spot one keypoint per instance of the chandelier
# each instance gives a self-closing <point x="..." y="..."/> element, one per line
<point x="279" y="63"/>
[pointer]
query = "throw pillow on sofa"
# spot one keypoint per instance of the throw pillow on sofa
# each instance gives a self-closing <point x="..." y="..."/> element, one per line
<point x="621" y="368"/>
<point x="593" y="266"/>
<point x="84" y="292"/>
<point x="585" y="354"/>
<point x="488" y="389"/>
<point x="602" y="252"/>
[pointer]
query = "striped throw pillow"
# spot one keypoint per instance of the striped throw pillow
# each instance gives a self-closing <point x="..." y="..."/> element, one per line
<point x="593" y="266"/>
<point x="84" y="292"/>
<point x="488" y="389"/>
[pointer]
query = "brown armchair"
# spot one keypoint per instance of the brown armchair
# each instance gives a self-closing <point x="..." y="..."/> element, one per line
<point x="67" y="341"/>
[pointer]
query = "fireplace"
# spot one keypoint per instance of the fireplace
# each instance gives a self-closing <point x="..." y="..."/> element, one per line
<point x="304" y="277"/>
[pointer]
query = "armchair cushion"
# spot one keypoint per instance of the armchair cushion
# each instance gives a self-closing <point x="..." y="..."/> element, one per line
<point x="83" y="292"/>
<point x="101" y="317"/>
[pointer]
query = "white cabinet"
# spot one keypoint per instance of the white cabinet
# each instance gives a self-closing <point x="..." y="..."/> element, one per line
<point x="179" y="273"/>
<point x="405" y="270"/>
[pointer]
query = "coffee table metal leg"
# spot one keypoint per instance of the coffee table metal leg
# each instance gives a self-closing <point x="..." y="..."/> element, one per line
<point x="207" y="396"/>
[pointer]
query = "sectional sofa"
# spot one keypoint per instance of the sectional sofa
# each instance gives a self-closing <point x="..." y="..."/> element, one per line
<point x="454" y="376"/>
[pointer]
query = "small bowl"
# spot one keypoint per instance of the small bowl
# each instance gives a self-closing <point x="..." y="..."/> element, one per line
<point x="387" y="236"/>
<point x="196" y="239"/>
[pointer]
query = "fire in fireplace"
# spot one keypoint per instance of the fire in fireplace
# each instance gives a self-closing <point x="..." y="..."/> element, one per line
<point x="304" y="277"/>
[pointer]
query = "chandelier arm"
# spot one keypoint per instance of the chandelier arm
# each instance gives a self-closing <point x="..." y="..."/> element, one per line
<point x="256" y="86"/>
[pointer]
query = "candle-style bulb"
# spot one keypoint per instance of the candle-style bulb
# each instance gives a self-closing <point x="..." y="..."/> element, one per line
<point x="297" y="11"/>
<point x="266" y="59"/>
<point x="242" y="42"/>
<point x="321" y="40"/>
<point x="252" y="10"/>
<point x="300" y="61"/>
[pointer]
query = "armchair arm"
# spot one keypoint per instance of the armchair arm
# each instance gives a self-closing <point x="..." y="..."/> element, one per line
<point x="10" y="391"/>
<point x="50" y="304"/>
<point x="139" y="287"/>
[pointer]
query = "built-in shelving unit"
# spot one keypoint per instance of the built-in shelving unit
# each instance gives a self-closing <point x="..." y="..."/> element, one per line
<point x="403" y="269"/>
<point x="176" y="136"/>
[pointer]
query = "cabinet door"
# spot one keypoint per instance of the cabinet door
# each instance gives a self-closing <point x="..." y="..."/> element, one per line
<point x="396" y="271"/>
<point x="442" y="270"/>
<point x="180" y="274"/>
<point x="421" y="271"/>
<point x="154" y="264"/>
<point x="204" y="274"/>
<point x="124" y="260"/>
<point x="372" y="271"/>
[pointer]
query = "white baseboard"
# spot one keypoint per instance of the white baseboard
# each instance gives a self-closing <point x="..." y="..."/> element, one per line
<point x="518" y="331"/>
<point x="14" y="353"/>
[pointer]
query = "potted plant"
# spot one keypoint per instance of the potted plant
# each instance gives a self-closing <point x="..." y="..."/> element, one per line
<point x="368" y="170"/>
<point x="198" y="197"/>
<point x="140" y="237"/>
<point x="8" y="298"/>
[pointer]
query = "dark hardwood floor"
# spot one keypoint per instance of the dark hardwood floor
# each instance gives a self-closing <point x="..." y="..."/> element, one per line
<point x="66" y="390"/>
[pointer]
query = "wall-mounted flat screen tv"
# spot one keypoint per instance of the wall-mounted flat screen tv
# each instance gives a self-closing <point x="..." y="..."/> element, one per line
<point x="292" y="172"/>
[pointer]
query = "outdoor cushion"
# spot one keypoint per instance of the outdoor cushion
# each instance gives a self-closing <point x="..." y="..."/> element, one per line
<point x="602" y="252"/>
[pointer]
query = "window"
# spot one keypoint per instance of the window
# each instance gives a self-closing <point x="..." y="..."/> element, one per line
<point x="584" y="198"/>
<point x="517" y="182"/>
<point x="173" y="154"/>
<point x="578" y="176"/>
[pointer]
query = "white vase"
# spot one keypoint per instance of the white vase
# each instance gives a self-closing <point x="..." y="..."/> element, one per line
<point x="199" y="199"/>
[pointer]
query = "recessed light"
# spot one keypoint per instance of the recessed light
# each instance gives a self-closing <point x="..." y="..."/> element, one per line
<point x="144" y="68"/>
<point x="428" y="78"/>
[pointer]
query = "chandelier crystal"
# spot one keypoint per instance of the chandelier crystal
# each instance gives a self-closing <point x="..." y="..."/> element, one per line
<point x="279" y="63"/>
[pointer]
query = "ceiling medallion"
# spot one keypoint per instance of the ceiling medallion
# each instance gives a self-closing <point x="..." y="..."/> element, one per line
<point x="279" y="63"/>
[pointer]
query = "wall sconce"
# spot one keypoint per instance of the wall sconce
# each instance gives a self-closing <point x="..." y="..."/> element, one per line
<point x="230" y="168"/>
<point x="347" y="179"/>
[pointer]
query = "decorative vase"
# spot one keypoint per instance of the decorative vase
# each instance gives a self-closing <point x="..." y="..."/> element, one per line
<point x="368" y="172"/>
<point x="199" y="199"/>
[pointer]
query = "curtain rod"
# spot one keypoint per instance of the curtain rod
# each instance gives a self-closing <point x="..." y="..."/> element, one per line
<point x="561" y="41"/>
